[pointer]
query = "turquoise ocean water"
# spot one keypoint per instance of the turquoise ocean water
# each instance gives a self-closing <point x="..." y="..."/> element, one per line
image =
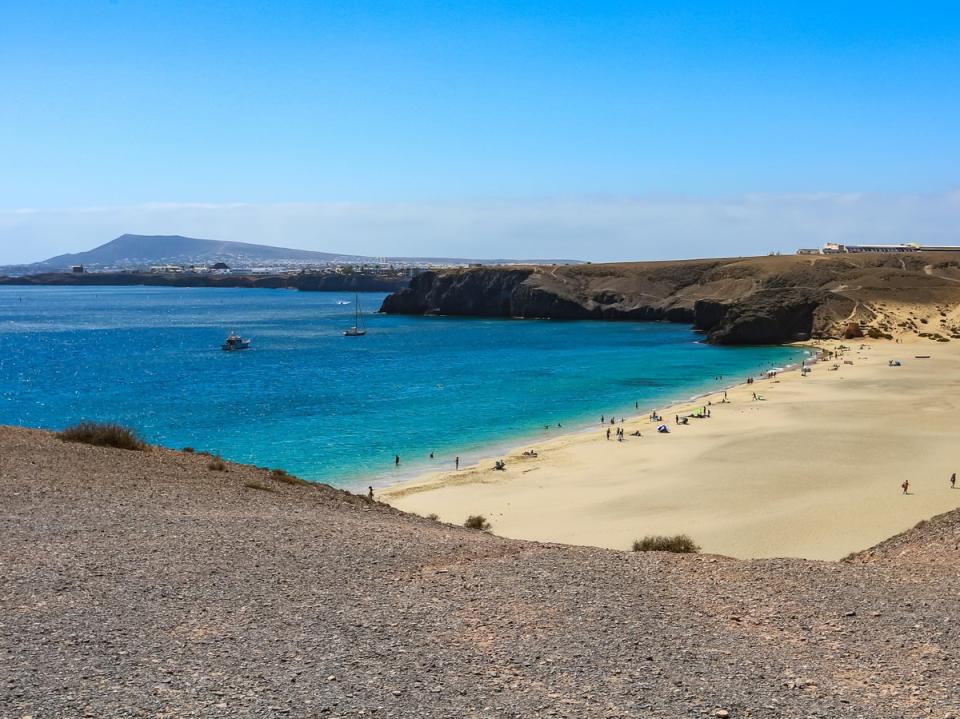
<point x="328" y="407"/>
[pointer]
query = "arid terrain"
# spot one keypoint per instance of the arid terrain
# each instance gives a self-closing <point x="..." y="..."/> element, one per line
<point x="742" y="300"/>
<point x="147" y="584"/>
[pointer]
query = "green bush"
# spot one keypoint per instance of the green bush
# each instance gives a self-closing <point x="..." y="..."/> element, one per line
<point x="103" y="435"/>
<point x="680" y="543"/>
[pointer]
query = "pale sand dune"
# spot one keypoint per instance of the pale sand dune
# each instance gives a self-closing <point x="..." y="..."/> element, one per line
<point x="813" y="471"/>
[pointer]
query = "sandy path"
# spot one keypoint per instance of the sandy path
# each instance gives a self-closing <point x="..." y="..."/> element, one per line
<point x="813" y="470"/>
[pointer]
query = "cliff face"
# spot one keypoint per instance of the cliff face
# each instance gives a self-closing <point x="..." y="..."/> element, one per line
<point x="481" y="293"/>
<point x="496" y="292"/>
<point x="759" y="300"/>
<point x="769" y="316"/>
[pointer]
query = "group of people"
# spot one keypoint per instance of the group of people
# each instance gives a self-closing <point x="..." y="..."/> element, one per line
<point x="620" y="434"/>
<point x="456" y="460"/>
<point x="905" y="485"/>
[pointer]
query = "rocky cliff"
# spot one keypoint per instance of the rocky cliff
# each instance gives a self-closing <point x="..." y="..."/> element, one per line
<point x="756" y="300"/>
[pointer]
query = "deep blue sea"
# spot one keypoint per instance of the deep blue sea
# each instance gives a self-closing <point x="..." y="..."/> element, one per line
<point x="324" y="406"/>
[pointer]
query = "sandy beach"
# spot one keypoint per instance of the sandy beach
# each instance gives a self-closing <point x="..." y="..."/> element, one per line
<point x="813" y="469"/>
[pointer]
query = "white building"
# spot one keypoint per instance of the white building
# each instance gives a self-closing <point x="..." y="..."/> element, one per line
<point x="833" y="248"/>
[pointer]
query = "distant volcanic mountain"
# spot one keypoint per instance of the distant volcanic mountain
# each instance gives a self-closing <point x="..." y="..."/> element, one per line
<point x="141" y="250"/>
<point x="138" y="251"/>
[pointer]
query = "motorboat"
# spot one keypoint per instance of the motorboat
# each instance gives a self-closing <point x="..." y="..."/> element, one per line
<point x="234" y="343"/>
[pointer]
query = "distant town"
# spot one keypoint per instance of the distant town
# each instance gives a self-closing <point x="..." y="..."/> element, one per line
<point x="835" y="248"/>
<point x="391" y="269"/>
<point x="179" y="257"/>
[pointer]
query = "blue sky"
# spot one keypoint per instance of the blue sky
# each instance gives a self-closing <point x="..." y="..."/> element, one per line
<point x="118" y="107"/>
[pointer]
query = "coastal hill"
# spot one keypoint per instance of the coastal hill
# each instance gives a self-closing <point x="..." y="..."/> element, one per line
<point x="138" y="251"/>
<point x="752" y="300"/>
<point x="153" y="584"/>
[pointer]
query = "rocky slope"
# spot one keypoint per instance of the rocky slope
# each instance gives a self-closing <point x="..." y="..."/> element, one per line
<point x="736" y="301"/>
<point x="144" y="584"/>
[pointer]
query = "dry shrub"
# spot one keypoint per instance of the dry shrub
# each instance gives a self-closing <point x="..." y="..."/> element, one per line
<point x="477" y="521"/>
<point x="876" y="334"/>
<point x="281" y="475"/>
<point x="103" y="435"/>
<point x="680" y="543"/>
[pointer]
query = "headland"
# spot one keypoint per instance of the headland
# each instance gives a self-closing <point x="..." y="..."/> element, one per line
<point x="746" y="300"/>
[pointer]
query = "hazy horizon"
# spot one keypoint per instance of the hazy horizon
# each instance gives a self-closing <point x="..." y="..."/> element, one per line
<point x="590" y="229"/>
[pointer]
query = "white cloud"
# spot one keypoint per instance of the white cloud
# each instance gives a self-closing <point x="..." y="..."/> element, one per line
<point x="592" y="228"/>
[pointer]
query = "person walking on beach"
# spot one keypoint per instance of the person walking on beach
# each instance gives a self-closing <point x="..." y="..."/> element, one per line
<point x="953" y="481"/>
<point x="608" y="433"/>
<point x="396" y="460"/>
<point x="905" y="486"/>
<point x="456" y="463"/>
<point x="370" y="493"/>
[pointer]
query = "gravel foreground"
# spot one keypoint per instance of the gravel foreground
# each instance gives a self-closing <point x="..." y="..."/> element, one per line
<point x="144" y="584"/>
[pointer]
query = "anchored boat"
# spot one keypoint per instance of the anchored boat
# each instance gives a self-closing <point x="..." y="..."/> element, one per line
<point x="358" y="330"/>
<point x="235" y="343"/>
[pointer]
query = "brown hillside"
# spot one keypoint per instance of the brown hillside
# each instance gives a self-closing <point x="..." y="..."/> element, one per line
<point x="734" y="300"/>
<point x="145" y="584"/>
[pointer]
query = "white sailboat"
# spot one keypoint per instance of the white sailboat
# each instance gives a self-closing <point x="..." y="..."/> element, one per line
<point x="358" y="330"/>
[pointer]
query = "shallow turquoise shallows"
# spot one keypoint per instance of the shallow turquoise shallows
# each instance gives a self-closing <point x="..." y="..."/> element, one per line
<point x="328" y="407"/>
